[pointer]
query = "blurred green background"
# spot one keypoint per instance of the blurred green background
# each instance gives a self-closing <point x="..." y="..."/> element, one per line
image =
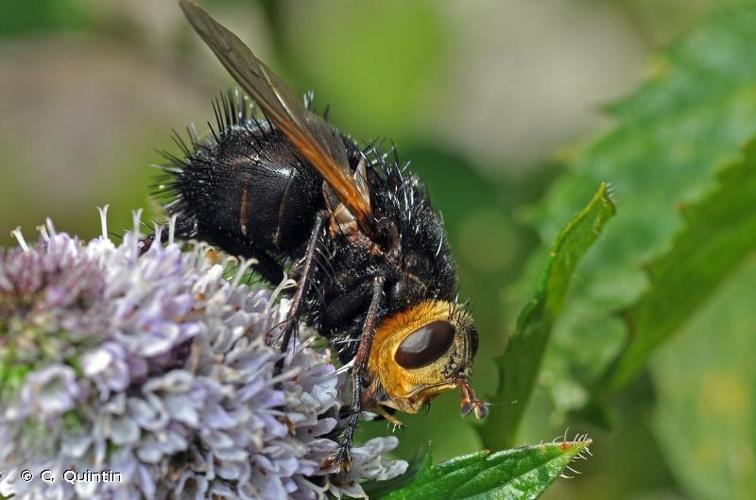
<point x="484" y="97"/>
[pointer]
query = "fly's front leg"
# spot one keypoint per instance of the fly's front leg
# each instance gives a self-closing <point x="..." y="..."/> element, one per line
<point x="292" y="321"/>
<point x="341" y="459"/>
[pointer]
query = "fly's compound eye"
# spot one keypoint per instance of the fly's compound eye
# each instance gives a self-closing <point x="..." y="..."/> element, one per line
<point x="425" y="345"/>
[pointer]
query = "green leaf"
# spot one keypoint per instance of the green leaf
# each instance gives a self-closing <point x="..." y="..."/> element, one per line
<point x="720" y="232"/>
<point x="518" y="473"/>
<point x="520" y="363"/>
<point x="705" y="380"/>
<point x="695" y="113"/>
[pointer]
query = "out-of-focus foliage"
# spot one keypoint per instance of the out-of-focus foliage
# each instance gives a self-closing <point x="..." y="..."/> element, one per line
<point x="718" y="235"/>
<point x="41" y="16"/>
<point x="695" y="113"/>
<point x="360" y="68"/>
<point x="519" y="365"/>
<point x="677" y="144"/>
<point x="705" y="416"/>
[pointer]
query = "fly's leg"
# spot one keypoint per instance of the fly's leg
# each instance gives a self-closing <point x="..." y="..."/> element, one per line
<point x="341" y="459"/>
<point x="308" y="269"/>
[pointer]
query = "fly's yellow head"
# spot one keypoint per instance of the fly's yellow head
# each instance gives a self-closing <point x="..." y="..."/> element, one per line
<point x="421" y="352"/>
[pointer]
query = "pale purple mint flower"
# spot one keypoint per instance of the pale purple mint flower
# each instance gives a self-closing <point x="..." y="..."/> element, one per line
<point x="160" y="369"/>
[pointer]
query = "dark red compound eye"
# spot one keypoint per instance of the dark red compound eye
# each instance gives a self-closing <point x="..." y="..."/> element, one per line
<point x="425" y="345"/>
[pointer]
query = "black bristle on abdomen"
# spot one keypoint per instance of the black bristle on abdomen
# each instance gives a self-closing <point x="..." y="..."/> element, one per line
<point x="242" y="187"/>
<point x="233" y="118"/>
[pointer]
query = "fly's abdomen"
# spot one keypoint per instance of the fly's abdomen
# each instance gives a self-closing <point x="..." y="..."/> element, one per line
<point x="278" y="205"/>
<point x="243" y="187"/>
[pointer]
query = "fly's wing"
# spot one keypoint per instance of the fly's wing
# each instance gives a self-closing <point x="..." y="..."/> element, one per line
<point x="308" y="132"/>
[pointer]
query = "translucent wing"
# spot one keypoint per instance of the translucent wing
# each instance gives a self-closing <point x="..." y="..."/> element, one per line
<point x="308" y="132"/>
